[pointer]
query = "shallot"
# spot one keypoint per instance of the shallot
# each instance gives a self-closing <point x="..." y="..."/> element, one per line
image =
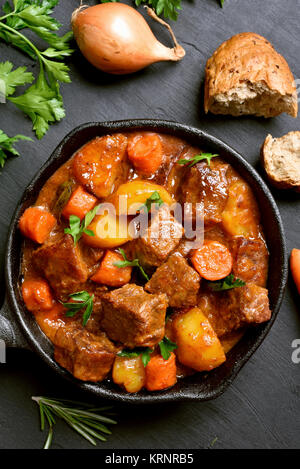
<point x="115" y="38"/>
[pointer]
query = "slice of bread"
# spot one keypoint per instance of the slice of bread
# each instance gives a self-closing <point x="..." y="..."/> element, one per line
<point x="281" y="160"/>
<point x="246" y="75"/>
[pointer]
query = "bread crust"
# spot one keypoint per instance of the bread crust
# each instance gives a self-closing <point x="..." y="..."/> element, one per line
<point x="287" y="182"/>
<point x="248" y="58"/>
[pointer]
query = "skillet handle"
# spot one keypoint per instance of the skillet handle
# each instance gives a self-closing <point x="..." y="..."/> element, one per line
<point x="10" y="334"/>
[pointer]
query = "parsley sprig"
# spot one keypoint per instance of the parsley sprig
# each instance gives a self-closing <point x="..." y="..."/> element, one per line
<point x="169" y="8"/>
<point x="197" y="158"/>
<point x="227" y="283"/>
<point x="10" y="78"/>
<point x="128" y="263"/>
<point x="154" y="200"/>
<point x="77" y="228"/>
<point x="165" y="346"/>
<point x="85" y="419"/>
<point x="81" y="300"/>
<point x="144" y="352"/>
<point x="42" y="101"/>
<point x="7" y="146"/>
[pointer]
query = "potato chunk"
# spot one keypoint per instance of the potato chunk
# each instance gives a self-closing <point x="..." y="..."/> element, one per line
<point x="110" y="231"/>
<point x="129" y="373"/>
<point x="133" y="194"/>
<point x="198" y="345"/>
<point x="241" y="216"/>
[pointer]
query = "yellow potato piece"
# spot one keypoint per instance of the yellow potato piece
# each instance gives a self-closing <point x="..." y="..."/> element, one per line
<point x="198" y="345"/>
<point x="129" y="373"/>
<point x="109" y="230"/>
<point x="130" y="196"/>
<point x="241" y="216"/>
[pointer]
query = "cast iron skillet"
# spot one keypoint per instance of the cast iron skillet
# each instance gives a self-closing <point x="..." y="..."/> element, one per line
<point x="19" y="329"/>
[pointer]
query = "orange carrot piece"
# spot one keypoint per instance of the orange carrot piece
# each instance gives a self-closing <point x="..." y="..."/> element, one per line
<point x="109" y="274"/>
<point x="79" y="204"/>
<point x="213" y="260"/>
<point x="37" y="295"/>
<point x="160" y="373"/>
<point x="295" y="267"/>
<point x="145" y="153"/>
<point x="36" y="224"/>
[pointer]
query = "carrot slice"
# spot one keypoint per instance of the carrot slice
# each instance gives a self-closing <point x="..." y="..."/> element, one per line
<point x="160" y="373"/>
<point x="36" y="224"/>
<point x="110" y="274"/>
<point x="145" y="153"/>
<point x="79" y="204"/>
<point x="37" y="295"/>
<point x="295" y="267"/>
<point x="213" y="260"/>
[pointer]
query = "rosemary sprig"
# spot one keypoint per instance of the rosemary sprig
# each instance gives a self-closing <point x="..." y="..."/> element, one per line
<point x="84" y="418"/>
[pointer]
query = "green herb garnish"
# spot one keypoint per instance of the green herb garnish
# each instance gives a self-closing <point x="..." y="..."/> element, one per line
<point x="7" y="146"/>
<point x="42" y="101"/>
<point x="11" y="79"/>
<point x="166" y="347"/>
<point x="81" y="300"/>
<point x="154" y="199"/>
<point x="167" y="7"/>
<point x="128" y="263"/>
<point x="84" y="418"/>
<point x="227" y="283"/>
<point x="77" y="228"/>
<point x="144" y="352"/>
<point x="197" y="158"/>
<point x="222" y="3"/>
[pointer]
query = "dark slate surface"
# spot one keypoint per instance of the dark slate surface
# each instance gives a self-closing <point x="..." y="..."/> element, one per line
<point x="261" y="409"/>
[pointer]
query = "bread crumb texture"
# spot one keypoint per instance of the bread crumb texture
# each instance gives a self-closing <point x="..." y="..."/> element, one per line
<point x="246" y="75"/>
<point x="281" y="160"/>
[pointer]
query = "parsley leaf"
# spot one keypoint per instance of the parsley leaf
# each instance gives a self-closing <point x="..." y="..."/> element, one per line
<point x="197" y="158"/>
<point x="6" y="146"/>
<point x="12" y="79"/>
<point x="166" y="347"/>
<point x="155" y="200"/>
<point x="81" y="300"/>
<point x="167" y="7"/>
<point x="42" y="102"/>
<point x="77" y="228"/>
<point x="128" y="263"/>
<point x="144" y="352"/>
<point x="227" y="283"/>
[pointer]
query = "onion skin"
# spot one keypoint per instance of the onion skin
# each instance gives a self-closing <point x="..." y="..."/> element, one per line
<point x="116" y="39"/>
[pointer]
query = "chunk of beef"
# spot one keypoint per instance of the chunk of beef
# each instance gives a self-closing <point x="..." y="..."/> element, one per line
<point x="207" y="185"/>
<point x="250" y="260"/>
<point x="133" y="317"/>
<point x="101" y="164"/>
<point x="160" y="239"/>
<point x="88" y="356"/>
<point x="91" y="256"/>
<point x="62" y="265"/>
<point x="177" y="280"/>
<point x="233" y="309"/>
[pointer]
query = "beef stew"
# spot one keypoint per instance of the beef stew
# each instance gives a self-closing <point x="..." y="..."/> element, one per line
<point x="127" y="326"/>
